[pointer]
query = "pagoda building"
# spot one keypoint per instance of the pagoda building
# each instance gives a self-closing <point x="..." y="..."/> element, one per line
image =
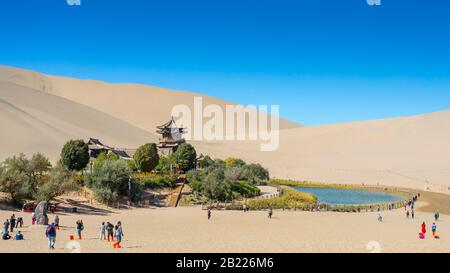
<point x="172" y="137"/>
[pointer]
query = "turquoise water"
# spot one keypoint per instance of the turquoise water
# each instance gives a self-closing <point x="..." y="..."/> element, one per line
<point x="349" y="197"/>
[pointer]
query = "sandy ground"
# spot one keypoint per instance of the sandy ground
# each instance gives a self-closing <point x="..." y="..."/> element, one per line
<point x="39" y="113"/>
<point x="186" y="229"/>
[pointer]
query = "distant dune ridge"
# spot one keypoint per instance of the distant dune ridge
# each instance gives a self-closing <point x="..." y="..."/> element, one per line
<point x="39" y="113"/>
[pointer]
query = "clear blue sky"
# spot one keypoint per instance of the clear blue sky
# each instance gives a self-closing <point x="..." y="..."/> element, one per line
<point x="322" y="61"/>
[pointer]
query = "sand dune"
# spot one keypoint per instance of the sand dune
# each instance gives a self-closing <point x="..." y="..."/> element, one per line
<point x="33" y="121"/>
<point x="40" y="112"/>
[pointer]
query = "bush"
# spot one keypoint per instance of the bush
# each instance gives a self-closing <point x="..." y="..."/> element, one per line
<point x="290" y="198"/>
<point x="58" y="181"/>
<point x="75" y="155"/>
<point x="219" y="182"/>
<point x="164" y="165"/>
<point x="110" y="179"/>
<point x="20" y="176"/>
<point x="157" y="182"/>
<point x="245" y="189"/>
<point x="184" y="157"/>
<point x="234" y="162"/>
<point x="254" y="173"/>
<point x="146" y="157"/>
<point x="205" y="162"/>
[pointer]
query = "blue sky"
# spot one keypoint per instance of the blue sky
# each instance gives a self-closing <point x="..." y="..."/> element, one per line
<point x="322" y="61"/>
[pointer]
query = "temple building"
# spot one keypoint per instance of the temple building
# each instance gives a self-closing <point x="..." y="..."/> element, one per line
<point x="96" y="147"/>
<point x="172" y="137"/>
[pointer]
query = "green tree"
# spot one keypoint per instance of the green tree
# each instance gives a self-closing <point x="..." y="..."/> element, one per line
<point x="14" y="182"/>
<point x="58" y="182"/>
<point x="146" y="157"/>
<point x="110" y="179"/>
<point x="164" y="165"/>
<point x="205" y="162"/>
<point x="185" y="157"/>
<point x="254" y="173"/>
<point x="75" y="155"/>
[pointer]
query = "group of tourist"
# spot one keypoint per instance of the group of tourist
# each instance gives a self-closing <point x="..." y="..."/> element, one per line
<point x="433" y="230"/>
<point x="110" y="232"/>
<point x="8" y="227"/>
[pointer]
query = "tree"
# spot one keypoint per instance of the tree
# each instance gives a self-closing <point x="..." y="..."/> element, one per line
<point x="22" y="176"/>
<point x="14" y="182"/>
<point x="205" y="162"/>
<point x="75" y="155"/>
<point x="59" y="181"/>
<point x="184" y="157"/>
<point x="110" y="179"/>
<point x="216" y="187"/>
<point x="254" y="173"/>
<point x="164" y="165"/>
<point x="146" y="157"/>
<point x="234" y="162"/>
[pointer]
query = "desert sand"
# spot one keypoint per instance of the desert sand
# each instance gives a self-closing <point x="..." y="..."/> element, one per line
<point x="186" y="229"/>
<point x="39" y="113"/>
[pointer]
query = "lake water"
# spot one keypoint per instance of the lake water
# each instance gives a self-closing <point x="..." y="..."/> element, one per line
<point x="349" y="197"/>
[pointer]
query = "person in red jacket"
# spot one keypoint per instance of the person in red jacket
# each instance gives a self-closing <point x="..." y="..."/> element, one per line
<point x="424" y="228"/>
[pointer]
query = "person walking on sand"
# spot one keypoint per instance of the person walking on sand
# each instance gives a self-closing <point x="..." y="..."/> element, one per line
<point x="412" y="214"/>
<point x="424" y="228"/>
<point x="80" y="228"/>
<point x="119" y="235"/>
<point x="19" y="222"/>
<point x="12" y="223"/>
<point x="209" y="213"/>
<point x="380" y="219"/>
<point x="433" y="229"/>
<point x="57" y="222"/>
<point x="270" y="213"/>
<point x="436" y="216"/>
<point x="407" y="214"/>
<point x="50" y="233"/>
<point x="103" y="231"/>
<point x="5" y="227"/>
<point x="110" y="231"/>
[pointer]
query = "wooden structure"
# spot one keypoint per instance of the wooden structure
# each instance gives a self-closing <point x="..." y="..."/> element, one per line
<point x="171" y="137"/>
<point x="96" y="147"/>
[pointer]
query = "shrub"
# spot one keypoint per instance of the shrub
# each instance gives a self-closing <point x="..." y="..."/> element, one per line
<point x="205" y="162"/>
<point x="245" y="189"/>
<point x="110" y="179"/>
<point x="184" y="157"/>
<point x="290" y="198"/>
<point x="58" y="181"/>
<point x="254" y="173"/>
<point x="234" y="162"/>
<point x="157" y="182"/>
<point x="146" y="157"/>
<point x="21" y="176"/>
<point x="164" y="165"/>
<point x="75" y="155"/>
